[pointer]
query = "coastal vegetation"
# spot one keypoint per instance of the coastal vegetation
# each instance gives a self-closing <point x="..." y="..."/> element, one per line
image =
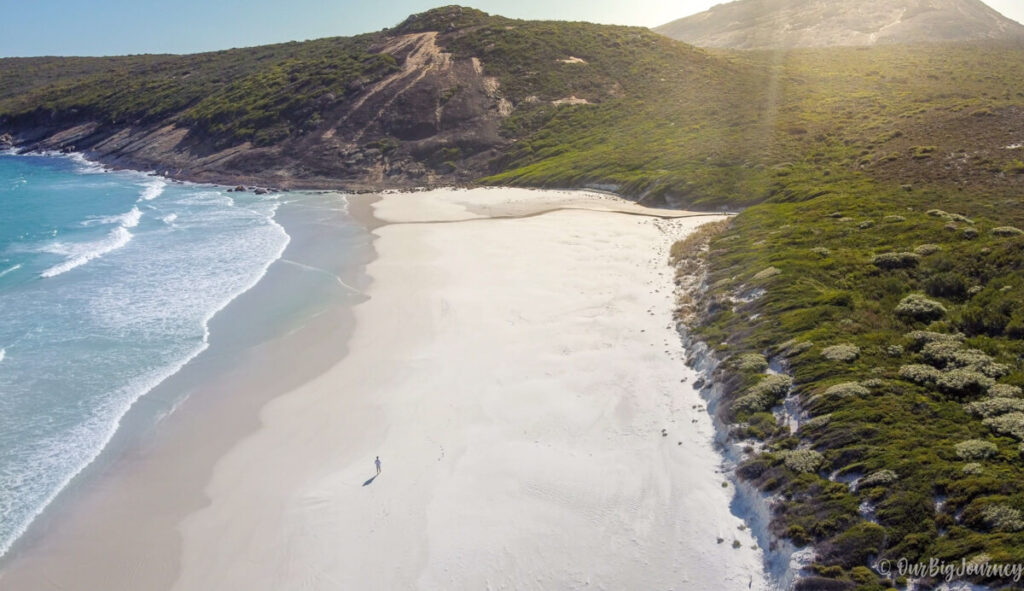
<point x="873" y="278"/>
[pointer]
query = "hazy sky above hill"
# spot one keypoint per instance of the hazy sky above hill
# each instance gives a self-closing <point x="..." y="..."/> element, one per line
<point x="111" y="27"/>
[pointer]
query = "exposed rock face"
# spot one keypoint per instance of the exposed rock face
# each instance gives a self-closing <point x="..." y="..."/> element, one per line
<point x="766" y="24"/>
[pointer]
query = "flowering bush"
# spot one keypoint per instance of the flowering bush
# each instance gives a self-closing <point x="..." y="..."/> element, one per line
<point x="847" y="390"/>
<point x="1007" y="231"/>
<point x="918" y="307"/>
<point x="1003" y="518"/>
<point x="1011" y="424"/>
<point x="976" y="449"/>
<point x="803" y="460"/>
<point x="764" y="394"/>
<point x="767" y="274"/>
<point x="817" y="422"/>
<point x="920" y="374"/>
<point x="894" y="219"/>
<point x="793" y="347"/>
<point x="880" y="478"/>
<point x="991" y="407"/>
<point x="1004" y="391"/>
<point x="964" y="382"/>
<point x="927" y="249"/>
<point x="844" y="352"/>
<point x="751" y="362"/>
<point x="923" y="337"/>
<point x="821" y="251"/>
<point x="972" y="469"/>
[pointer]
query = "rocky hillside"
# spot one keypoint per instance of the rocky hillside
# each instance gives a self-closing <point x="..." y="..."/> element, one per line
<point x="437" y="99"/>
<point x="764" y="24"/>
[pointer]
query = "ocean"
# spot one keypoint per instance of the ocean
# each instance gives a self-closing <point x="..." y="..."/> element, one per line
<point x="108" y="282"/>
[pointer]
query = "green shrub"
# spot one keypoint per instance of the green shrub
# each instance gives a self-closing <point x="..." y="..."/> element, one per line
<point x="847" y="390"/>
<point x="927" y="249"/>
<point x="976" y="449"/>
<point x="918" y="307"/>
<point x="923" y="337"/>
<point x="750" y="362"/>
<point x="816" y="422"/>
<point x="763" y="395"/>
<point x="894" y="350"/>
<point x="843" y="352"/>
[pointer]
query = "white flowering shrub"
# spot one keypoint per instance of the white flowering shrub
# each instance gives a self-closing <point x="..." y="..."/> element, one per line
<point x="964" y="382"/>
<point x="821" y="251"/>
<point x="972" y="469"/>
<point x="793" y="347"/>
<point x="1011" y="424"/>
<point x="896" y="260"/>
<point x="918" y="307"/>
<point x="1004" y="391"/>
<point x="993" y="407"/>
<point x="927" y="249"/>
<point x="976" y="449"/>
<point x="923" y="337"/>
<point x="764" y="394"/>
<point x="880" y="478"/>
<point x="817" y="422"/>
<point x="750" y="362"/>
<point x="894" y="350"/>
<point x="920" y="374"/>
<point x="1007" y="231"/>
<point x="803" y="460"/>
<point x="866" y="224"/>
<point x="846" y="390"/>
<point x="1003" y="518"/>
<point x="767" y="274"/>
<point x="844" y="352"/>
<point x="894" y="219"/>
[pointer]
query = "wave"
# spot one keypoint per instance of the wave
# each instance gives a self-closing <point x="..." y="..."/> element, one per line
<point x="169" y="219"/>
<point x="3" y="353"/>
<point x="152" y="189"/>
<point x="128" y="219"/>
<point x="84" y="166"/>
<point x="80" y="254"/>
<point x="11" y="270"/>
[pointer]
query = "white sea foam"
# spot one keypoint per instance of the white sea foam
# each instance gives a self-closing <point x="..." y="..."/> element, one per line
<point x="129" y="219"/>
<point x="3" y="354"/>
<point x="84" y="166"/>
<point x="80" y="254"/>
<point x="152" y="189"/>
<point x="11" y="270"/>
<point x="169" y="219"/>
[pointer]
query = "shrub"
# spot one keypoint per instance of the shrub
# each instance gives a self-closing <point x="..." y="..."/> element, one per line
<point x="1002" y="518"/>
<point x="894" y="350"/>
<point x="1007" y="231"/>
<point x="847" y="390"/>
<point x="817" y="422"/>
<point x="927" y="249"/>
<point x="866" y="224"/>
<point x="991" y="407"/>
<point x="764" y="394"/>
<point x="803" y="460"/>
<point x="952" y="354"/>
<point x="972" y="469"/>
<point x="941" y="353"/>
<point x="920" y="374"/>
<point x="844" y="352"/>
<point x="918" y="307"/>
<point x="976" y="449"/>
<point x="821" y="251"/>
<point x="880" y="478"/>
<point x="923" y="337"/>
<point x="963" y="382"/>
<point x="1004" y="391"/>
<point x="896" y="260"/>
<point x="1011" y="424"/>
<point x="767" y="274"/>
<point x="794" y="347"/>
<point x="750" y="362"/>
<point x="894" y="219"/>
<point x="938" y="213"/>
<point x="970" y="234"/>
<point x="947" y="285"/>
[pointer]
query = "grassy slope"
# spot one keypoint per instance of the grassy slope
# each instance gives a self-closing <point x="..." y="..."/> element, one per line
<point x="885" y="136"/>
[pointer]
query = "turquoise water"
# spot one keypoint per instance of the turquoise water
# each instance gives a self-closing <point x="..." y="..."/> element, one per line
<point x="108" y="281"/>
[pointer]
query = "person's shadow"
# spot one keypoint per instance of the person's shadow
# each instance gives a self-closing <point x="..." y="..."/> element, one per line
<point x="370" y="481"/>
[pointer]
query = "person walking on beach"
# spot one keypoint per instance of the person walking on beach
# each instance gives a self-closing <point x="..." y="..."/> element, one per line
<point x="377" y="463"/>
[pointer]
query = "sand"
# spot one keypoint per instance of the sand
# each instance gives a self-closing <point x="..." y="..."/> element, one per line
<point x="514" y="367"/>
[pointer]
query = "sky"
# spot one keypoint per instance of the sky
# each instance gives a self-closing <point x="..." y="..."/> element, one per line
<point x="117" y="27"/>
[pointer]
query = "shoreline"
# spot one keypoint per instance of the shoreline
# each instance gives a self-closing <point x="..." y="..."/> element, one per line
<point x="395" y="221"/>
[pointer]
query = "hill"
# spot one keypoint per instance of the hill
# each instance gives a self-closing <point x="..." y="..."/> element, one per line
<point x="766" y="24"/>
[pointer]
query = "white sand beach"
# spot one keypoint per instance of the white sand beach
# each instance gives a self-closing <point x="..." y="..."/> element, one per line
<point x="514" y="374"/>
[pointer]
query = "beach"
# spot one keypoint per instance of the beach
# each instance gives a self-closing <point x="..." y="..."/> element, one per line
<point x="511" y="358"/>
